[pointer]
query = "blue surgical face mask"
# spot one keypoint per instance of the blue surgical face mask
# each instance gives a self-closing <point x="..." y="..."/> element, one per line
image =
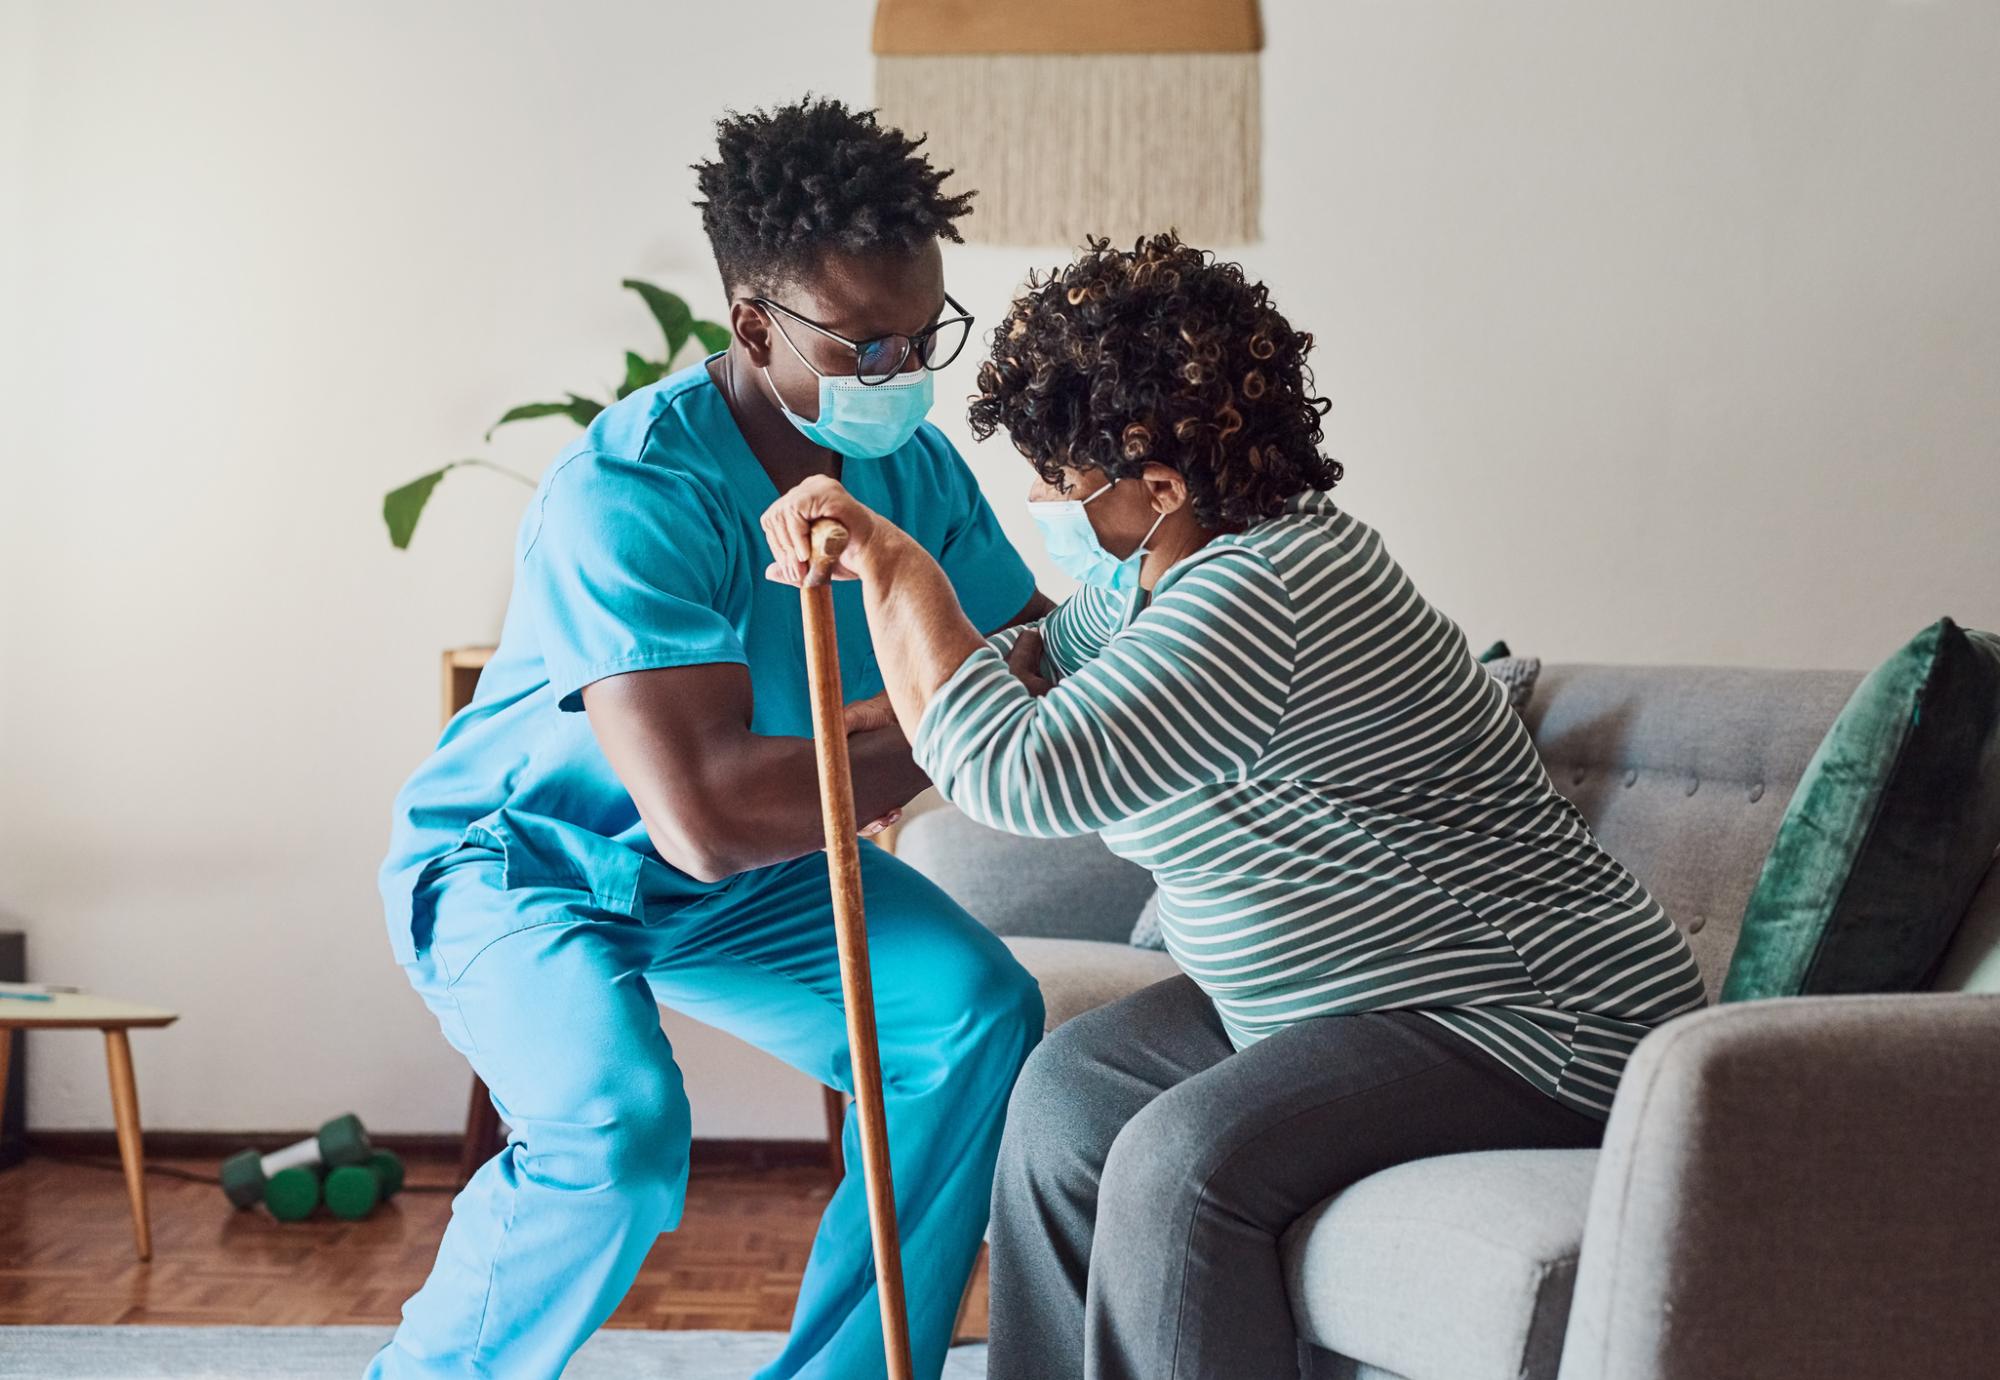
<point x="1073" y="545"/>
<point x="861" y="420"/>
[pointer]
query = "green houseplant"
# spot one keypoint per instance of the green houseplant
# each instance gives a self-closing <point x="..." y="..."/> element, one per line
<point x="401" y="507"/>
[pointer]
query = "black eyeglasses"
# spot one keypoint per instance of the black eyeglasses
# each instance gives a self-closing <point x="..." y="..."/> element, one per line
<point x="881" y="358"/>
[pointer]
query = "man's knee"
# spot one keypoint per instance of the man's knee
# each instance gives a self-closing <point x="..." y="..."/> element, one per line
<point x="1013" y="1000"/>
<point x="630" y="1140"/>
<point x="973" y="1020"/>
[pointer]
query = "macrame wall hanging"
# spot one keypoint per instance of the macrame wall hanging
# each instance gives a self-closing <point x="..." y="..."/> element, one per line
<point x="1081" y="117"/>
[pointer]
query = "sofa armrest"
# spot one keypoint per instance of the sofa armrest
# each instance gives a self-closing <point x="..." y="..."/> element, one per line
<point x="1801" y="1187"/>
<point x="1070" y="888"/>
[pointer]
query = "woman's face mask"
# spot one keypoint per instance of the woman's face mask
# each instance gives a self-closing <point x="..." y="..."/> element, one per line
<point x="861" y="420"/>
<point x="1073" y="545"/>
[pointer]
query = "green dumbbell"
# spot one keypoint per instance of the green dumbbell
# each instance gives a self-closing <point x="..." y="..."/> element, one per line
<point x="246" y="1175"/>
<point x="353" y="1190"/>
<point x="292" y="1194"/>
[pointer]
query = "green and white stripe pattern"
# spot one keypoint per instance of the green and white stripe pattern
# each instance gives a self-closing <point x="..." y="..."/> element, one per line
<point x="1341" y="811"/>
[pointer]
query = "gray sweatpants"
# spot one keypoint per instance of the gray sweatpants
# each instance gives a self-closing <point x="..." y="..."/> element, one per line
<point x="1148" y="1170"/>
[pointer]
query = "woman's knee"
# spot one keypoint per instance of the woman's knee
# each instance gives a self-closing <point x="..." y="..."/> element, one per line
<point x="1057" y="1119"/>
<point x="1160" y="1165"/>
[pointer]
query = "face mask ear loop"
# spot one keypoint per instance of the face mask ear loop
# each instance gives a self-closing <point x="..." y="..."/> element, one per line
<point x="1143" y="548"/>
<point x="776" y="391"/>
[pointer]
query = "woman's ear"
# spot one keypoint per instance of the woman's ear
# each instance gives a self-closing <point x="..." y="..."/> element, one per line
<point x="1166" y="488"/>
<point x="753" y="328"/>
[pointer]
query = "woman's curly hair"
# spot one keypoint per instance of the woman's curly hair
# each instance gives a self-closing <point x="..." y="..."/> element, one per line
<point x="790" y="183"/>
<point x="1159" y="355"/>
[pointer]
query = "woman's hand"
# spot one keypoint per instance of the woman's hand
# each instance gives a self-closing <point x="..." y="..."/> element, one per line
<point x="1025" y="661"/>
<point x="788" y="527"/>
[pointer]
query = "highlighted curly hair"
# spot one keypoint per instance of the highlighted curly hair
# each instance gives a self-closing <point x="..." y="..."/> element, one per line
<point x="787" y="185"/>
<point x="1159" y="355"/>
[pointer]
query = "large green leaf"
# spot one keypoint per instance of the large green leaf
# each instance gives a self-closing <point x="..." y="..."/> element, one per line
<point x="669" y="310"/>
<point x="527" y="410"/>
<point x="639" y="373"/>
<point x="713" y="338"/>
<point x="582" y="410"/>
<point x="402" y="507"/>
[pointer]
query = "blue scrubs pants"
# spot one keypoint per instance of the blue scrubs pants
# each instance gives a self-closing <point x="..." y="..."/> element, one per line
<point x="554" y="1004"/>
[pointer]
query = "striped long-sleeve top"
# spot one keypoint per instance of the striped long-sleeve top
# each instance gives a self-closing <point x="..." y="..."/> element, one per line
<point x="1341" y="810"/>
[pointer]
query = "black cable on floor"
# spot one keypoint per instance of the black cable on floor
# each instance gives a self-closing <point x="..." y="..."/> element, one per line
<point x="169" y="1171"/>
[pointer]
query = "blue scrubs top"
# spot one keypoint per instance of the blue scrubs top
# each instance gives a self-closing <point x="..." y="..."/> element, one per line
<point x="641" y="549"/>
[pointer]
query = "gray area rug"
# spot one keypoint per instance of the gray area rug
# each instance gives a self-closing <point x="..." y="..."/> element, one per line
<point x="341" y="1353"/>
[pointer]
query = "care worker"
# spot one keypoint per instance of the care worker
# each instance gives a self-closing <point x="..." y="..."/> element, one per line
<point x="1398" y="941"/>
<point x="627" y="814"/>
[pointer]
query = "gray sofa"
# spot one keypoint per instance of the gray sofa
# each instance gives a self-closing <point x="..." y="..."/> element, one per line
<point x="1798" y="1188"/>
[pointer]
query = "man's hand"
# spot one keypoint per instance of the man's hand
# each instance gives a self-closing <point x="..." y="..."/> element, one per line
<point x="1025" y="661"/>
<point x="865" y="716"/>
<point x="874" y="827"/>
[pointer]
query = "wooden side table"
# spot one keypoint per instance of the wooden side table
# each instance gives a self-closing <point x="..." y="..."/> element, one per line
<point x="481" y="1140"/>
<point x="74" y="1011"/>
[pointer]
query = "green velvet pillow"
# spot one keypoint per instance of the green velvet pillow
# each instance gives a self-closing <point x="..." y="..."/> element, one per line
<point x="1889" y="832"/>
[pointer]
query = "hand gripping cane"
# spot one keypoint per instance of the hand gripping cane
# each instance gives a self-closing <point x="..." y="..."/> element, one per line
<point x="843" y="860"/>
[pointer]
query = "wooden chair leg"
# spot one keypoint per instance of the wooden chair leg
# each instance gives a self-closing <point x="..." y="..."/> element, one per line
<point x="836" y="1121"/>
<point x="972" y="1283"/>
<point x="131" y="1150"/>
<point x="482" y="1132"/>
<point x="6" y="1065"/>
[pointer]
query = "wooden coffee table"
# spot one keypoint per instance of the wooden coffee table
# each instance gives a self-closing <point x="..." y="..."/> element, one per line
<point x="82" y="1011"/>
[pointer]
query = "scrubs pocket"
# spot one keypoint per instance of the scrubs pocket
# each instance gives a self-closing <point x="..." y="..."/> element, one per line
<point x="537" y="851"/>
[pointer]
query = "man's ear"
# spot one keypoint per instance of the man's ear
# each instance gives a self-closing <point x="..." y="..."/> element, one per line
<point x="753" y="329"/>
<point x="1166" y="487"/>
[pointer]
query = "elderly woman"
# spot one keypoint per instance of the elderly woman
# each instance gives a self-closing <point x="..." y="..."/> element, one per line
<point x="1398" y="941"/>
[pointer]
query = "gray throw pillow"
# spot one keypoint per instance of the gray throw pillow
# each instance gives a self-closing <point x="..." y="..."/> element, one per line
<point x="1146" y="931"/>
<point x="1517" y="675"/>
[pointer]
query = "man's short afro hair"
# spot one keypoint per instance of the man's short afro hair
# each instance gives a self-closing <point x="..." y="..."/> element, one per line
<point x="789" y="184"/>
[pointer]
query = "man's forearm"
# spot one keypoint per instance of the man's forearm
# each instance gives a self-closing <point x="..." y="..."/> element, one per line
<point x="771" y="810"/>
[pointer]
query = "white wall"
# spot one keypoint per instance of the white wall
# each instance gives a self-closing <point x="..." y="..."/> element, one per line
<point x="1657" y="331"/>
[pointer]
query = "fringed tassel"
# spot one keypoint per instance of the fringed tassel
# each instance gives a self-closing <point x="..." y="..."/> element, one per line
<point x="1061" y="146"/>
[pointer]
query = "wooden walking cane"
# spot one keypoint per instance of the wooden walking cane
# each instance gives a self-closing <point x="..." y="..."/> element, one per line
<point x="843" y="860"/>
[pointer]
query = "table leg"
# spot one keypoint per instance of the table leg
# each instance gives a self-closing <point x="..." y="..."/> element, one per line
<point x="125" y="1110"/>
<point x="6" y="1064"/>
<point x="482" y="1132"/>
<point x="834" y="1103"/>
<point x="965" y="1299"/>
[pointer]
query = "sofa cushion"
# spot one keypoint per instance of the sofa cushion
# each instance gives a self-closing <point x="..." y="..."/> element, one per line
<point x="1146" y="929"/>
<point x="1073" y="888"/>
<point x="1972" y="963"/>
<point x="1889" y="832"/>
<point x="1079" y="975"/>
<point x="1683" y="773"/>
<point x="1454" y="1268"/>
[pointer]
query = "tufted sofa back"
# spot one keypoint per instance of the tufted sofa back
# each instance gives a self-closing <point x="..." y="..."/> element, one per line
<point x="1684" y="774"/>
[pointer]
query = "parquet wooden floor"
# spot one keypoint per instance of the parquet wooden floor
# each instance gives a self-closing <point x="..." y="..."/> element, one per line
<point x="66" y="1253"/>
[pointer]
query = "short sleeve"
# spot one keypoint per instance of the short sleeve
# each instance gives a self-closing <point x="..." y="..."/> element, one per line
<point x="991" y="580"/>
<point x="624" y="570"/>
